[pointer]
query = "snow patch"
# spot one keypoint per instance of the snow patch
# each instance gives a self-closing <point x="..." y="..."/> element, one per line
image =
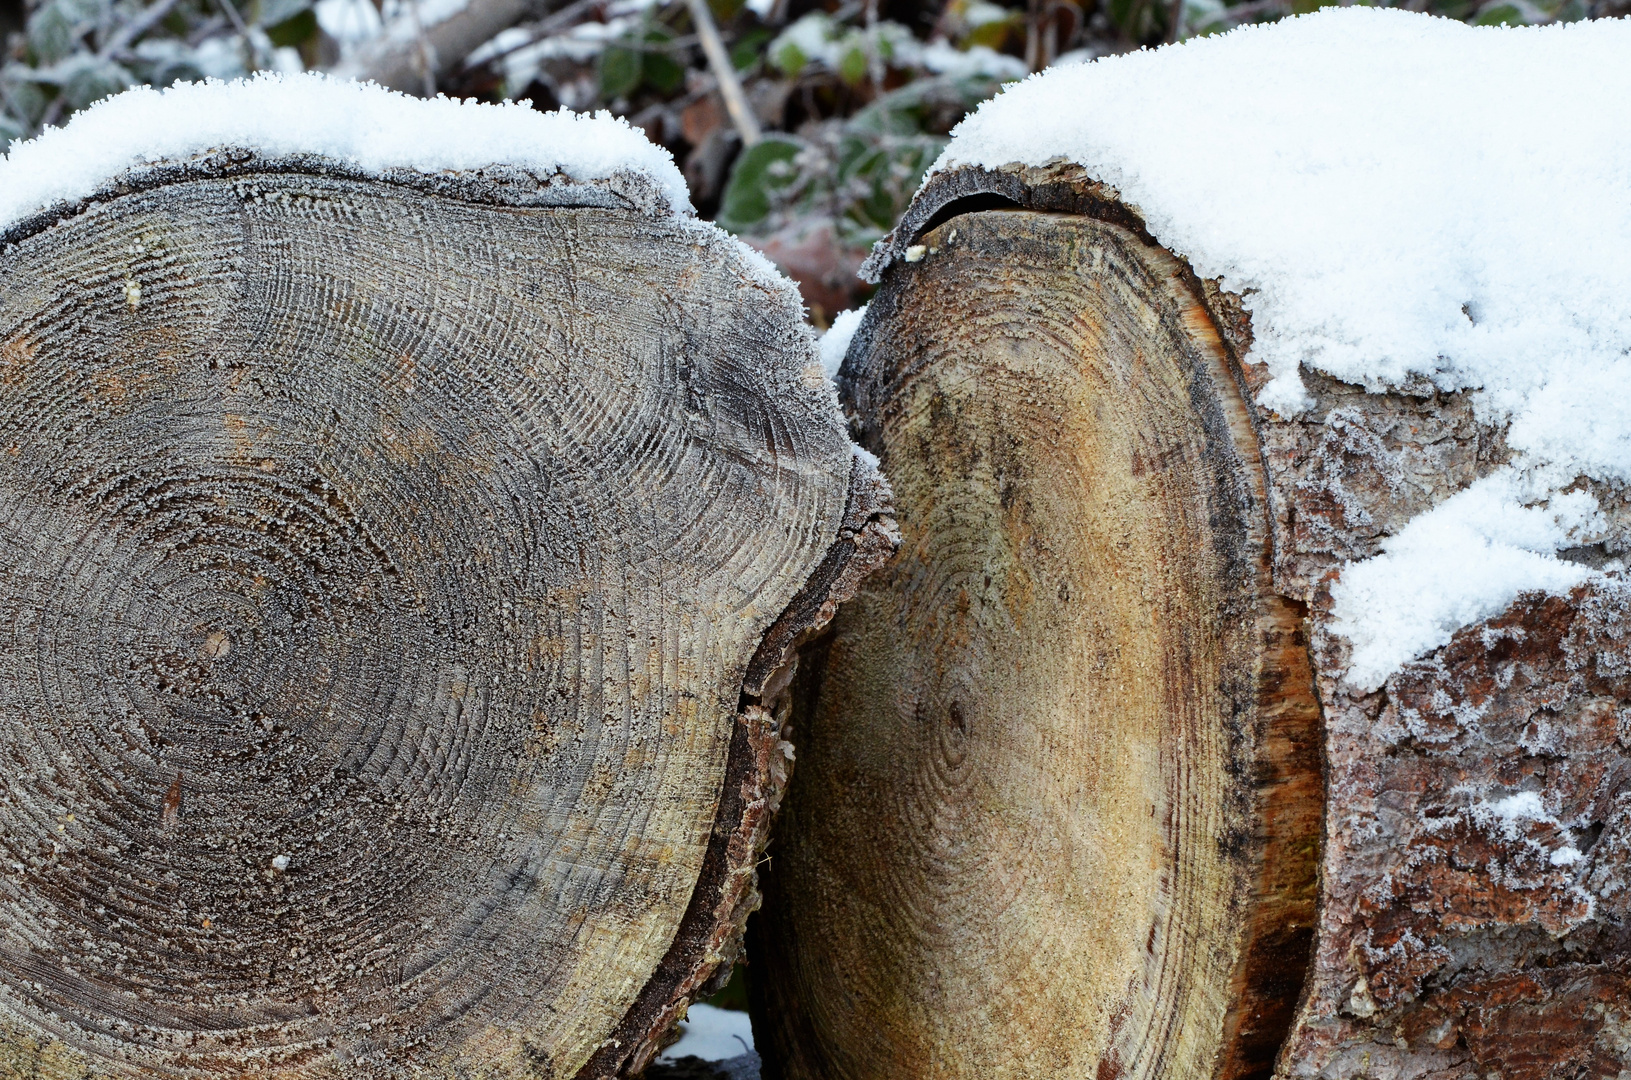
<point x="835" y="342"/>
<point x="1461" y="562"/>
<point x="1509" y="815"/>
<point x="1566" y="856"/>
<point x="1524" y="806"/>
<point x="348" y="22"/>
<point x="943" y="58"/>
<point x="1383" y="230"/>
<point x="712" y="1034"/>
<point x="361" y="124"/>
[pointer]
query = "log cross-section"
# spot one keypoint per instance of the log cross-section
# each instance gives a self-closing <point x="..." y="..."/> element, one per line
<point x="1058" y="801"/>
<point x="381" y="566"/>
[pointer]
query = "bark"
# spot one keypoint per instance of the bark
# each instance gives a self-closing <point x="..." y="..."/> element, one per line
<point x="962" y="892"/>
<point x="402" y="575"/>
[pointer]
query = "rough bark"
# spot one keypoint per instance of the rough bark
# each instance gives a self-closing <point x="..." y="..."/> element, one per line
<point x="1447" y="942"/>
<point x="400" y="578"/>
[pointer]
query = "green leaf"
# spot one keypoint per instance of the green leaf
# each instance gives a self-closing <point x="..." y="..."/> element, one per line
<point x="51" y="33"/>
<point x="745" y="53"/>
<point x="1501" y="15"/>
<point x="755" y="176"/>
<point x="662" y="72"/>
<point x="24" y="94"/>
<point x="619" y="71"/>
<point x="789" y="59"/>
<point x="95" y="80"/>
<point x="658" y="68"/>
<point x="993" y="35"/>
<point x="292" y="32"/>
<point x="852" y="64"/>
<point x="86" y="13"/>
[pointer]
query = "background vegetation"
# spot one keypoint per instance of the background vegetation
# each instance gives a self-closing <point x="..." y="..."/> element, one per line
<point x="851" y="99"/>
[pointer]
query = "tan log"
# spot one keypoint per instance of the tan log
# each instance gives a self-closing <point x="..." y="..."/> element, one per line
<point x="1060" y="808"/>
<point x="397" y="575"/>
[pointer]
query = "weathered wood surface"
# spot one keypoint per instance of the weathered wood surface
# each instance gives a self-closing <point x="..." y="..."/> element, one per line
<point x="1448" y="943"/>
<point x="395" y="580"/>
<point x="1058" y="782"/>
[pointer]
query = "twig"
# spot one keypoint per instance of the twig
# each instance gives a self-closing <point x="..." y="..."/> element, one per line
<point x="205" y="30"/>
<point x="53" y="111"/>
<point x="730" y="88"/>
<point x="1033" y="36"/>
<point x="136" y="27"/>
<point x="427" y="55"/>
<point x="237" y="20"/>
<point x="874" y="57"/>
<point x="563" y="19"/>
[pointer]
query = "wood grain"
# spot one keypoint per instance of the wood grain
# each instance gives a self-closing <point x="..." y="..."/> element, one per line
<point x="1447" y="942"/>
<point x="1057" y="801"/>
<point x="382" y="569"/>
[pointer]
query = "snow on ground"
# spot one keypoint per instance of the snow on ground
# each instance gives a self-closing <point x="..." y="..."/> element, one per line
<point x="1393" y="195"/>
<point x="361" y="124"/>
<point x="712" y="1034"/>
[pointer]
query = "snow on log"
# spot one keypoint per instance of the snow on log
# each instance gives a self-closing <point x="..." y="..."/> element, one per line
<point x="1232" y="446"/>
<point x="402" y="559"/>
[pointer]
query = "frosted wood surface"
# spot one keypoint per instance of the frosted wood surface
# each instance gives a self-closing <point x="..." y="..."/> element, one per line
<point x="1027" y="837"/>
<point x="380" y="572"/>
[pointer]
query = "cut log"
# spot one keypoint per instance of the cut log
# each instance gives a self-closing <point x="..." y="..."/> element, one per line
<point x="1059" y="784"/>
<point x="398" y="573"/>
<point x="1060" y="808"/>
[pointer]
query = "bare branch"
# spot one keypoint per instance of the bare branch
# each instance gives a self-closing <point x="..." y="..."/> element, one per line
<point x="409" y="58"/>
<point x="730" y="87"/>
<point x="563" y="19"/>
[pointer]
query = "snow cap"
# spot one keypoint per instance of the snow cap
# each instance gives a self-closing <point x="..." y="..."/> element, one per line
<point x="1400" y="200"/>
<point x="360" y="125"/>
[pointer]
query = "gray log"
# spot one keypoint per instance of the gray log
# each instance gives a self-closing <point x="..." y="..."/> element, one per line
<point x="396" y="576"/>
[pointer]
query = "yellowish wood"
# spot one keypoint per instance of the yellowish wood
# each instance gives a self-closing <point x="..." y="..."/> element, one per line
<point x="1027" y="835"/>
